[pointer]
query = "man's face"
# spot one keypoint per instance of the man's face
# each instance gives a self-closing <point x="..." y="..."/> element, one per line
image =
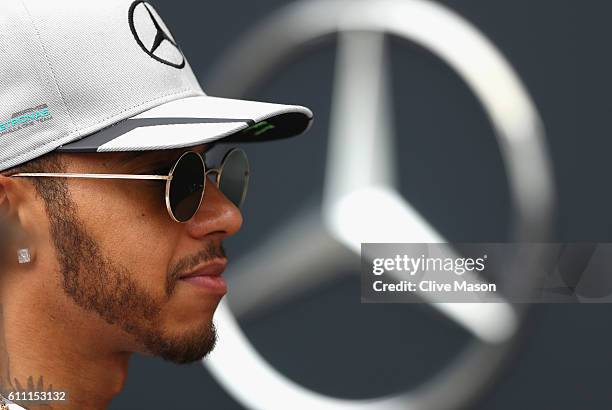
<point x="118" y="257"/>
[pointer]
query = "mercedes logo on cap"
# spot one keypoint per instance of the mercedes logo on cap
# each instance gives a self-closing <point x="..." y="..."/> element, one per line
<point x="153" y="36"/>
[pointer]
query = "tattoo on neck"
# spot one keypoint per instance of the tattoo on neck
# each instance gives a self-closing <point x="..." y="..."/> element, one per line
<point x="5" y="372"/>
<point x="10" y="384"/>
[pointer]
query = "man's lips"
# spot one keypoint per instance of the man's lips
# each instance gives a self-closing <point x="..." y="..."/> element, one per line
<point x="208" y="277"/>
<point x="214" y="268"/>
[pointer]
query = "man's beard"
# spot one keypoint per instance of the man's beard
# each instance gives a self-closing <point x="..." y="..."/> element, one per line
<point x="98" y="284"/>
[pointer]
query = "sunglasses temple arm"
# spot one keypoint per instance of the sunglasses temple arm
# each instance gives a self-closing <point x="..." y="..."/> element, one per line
<point x="94" y="176"/>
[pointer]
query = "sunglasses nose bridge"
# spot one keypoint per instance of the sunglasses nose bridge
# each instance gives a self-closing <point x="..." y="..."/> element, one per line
<point x="215" y="171"/>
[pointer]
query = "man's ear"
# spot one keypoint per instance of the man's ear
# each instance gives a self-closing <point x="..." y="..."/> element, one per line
<point x="6" y="229"/>
<point x="13" y="212"/>
<point x="10" y="198"/>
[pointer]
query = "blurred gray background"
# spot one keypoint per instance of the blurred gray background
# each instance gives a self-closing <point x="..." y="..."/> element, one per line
<point x="325" y="339"/>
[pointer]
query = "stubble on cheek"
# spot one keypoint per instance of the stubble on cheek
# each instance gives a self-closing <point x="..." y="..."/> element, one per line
<point x="100" y="284"/>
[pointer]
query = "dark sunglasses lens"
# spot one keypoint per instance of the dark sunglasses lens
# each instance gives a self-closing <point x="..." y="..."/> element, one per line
<point x="187" y="187"/>
<point x="235" y="177"/>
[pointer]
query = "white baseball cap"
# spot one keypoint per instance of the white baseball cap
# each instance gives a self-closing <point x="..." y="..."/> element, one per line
<point x="107" y="76"/>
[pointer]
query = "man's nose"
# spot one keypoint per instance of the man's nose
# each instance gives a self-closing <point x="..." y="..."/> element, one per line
<point x="217" y="215"/>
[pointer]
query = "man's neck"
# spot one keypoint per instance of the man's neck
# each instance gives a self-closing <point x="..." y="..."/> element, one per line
<point x="37" y="357"/>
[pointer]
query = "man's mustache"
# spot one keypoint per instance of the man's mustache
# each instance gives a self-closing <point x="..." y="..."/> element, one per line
<point x="211" y="252"/>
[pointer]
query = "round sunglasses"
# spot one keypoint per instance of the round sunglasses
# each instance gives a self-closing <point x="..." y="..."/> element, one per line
<point x="186" y="182"/>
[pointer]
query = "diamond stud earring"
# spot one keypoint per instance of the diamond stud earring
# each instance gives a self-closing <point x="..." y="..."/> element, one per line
<point x="24" y="256"/>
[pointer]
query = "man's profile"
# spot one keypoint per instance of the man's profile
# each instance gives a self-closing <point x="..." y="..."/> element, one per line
<point x="119" y="216"/>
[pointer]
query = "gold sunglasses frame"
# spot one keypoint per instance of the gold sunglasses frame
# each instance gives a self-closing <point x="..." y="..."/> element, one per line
<point x="168" y="178"/>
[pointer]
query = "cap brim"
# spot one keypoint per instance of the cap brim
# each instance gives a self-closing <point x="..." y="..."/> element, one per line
<point x="194" y="121"/>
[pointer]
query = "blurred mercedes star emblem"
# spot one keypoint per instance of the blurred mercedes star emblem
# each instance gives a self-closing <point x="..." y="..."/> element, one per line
<point x="153" y="36"/>
<point x="361" y="181"/>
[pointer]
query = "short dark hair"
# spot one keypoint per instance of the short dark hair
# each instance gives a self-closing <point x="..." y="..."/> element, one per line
<point x="47" y="163"/>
